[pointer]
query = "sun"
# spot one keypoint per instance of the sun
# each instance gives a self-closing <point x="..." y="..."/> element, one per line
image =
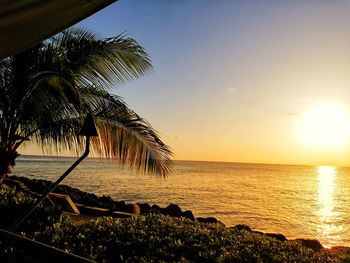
<point x="325" y="126"/>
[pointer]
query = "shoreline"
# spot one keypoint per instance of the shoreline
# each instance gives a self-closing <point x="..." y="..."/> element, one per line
<point x="91" y="204"/>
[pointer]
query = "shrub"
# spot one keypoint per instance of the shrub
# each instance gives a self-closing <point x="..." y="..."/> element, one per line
<point x="14" y="203"/>
<point x="150" y="238"/>
<point x="155" y="238"/>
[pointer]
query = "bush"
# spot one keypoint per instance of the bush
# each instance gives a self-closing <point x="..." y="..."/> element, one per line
<point x="155" y="238"/>
<point x="150" y="238"/>
<point x="14" y="203"/>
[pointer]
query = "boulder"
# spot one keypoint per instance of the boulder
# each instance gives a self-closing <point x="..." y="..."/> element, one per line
<point x="119" y="205"/>
<point x="277" y="236"/>
<point x="91" y="200"/>
<point x="106" y="201"/>
<point x="145" y="208"/>
<point x="39" y="186"/>
<point x="242" y="227"/>
<point x="188" y="214"/>
<point x="76" y="196"/>
<point x="207" y="219"/>
<point x="132" y="209"/>
<point x="313" y="244"/>
<point x="173" y="210"/>
<point x="63" y="189"/>
<point x="155" y="209"/>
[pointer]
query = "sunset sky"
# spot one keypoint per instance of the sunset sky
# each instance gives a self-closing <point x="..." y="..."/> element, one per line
<point x="238" y="80"/>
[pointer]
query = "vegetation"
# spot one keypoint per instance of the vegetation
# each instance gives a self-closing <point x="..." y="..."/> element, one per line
<point x="12" y="205"/>
<point x="158" y="238"/>
<point x="46" y="92"/>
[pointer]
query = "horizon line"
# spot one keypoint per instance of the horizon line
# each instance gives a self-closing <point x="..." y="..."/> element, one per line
<point x="191" y="160"/>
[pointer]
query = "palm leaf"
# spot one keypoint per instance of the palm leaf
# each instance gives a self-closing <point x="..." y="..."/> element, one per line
<point x="106" y="62"/>
<point x="122" y="135"/>
<point x="126" y="136"/>
<point x="45" y="93"/>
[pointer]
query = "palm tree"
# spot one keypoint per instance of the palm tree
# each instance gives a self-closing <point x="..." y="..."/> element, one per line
<point x="46" y="92"/>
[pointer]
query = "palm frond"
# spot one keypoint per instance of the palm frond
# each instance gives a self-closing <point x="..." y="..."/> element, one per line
<point x="46" y="91"/>
<point x="122" y="135"/>
<point x="107" y="62"/>
<point x="126" y="136"/>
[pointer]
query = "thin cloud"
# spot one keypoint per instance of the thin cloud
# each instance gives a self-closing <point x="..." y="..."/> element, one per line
<point x="231" y="89"/>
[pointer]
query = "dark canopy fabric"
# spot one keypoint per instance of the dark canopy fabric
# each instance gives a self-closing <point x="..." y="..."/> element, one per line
<point x="23" y="23"/>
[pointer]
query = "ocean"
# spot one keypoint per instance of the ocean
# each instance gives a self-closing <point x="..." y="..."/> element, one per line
<point x="297" y="201"/>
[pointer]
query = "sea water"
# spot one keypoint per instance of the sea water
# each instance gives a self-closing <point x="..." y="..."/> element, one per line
<point x="297" y="201"/>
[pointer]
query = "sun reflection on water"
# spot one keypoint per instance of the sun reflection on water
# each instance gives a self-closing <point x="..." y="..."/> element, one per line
<point x="327" y="228"/>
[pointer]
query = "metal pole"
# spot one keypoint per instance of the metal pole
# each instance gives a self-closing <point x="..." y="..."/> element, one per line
<point x="20" y="220"/>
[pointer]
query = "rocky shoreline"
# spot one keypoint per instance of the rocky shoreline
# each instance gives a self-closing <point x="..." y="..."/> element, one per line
<point x="105" y="205"/>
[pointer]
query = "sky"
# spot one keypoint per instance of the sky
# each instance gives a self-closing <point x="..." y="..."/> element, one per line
<point x="234" y="80"/>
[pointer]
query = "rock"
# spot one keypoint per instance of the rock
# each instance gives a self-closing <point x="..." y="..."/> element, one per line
<point x="313" y="244"/>
<point x="75" y="196"/>
<point x="62" y="189"/>
<point x="90" y="200"/>
<point x="188" y="214"/>
<point x="39" y="186"/>
<point x="106" y="201"/>
<point x="277" y="236"/>
<point x="119" y="205"/>
<point x="155" y="209"/>
<point x="145" y="208"/>
<point x="173" y="210"/>
<point x="129" y="208"/>
<point x="207" y="219"/>
<point x="132" y="208"/>
<point x="243" y="227"/>
<point x="92" y="196"/>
